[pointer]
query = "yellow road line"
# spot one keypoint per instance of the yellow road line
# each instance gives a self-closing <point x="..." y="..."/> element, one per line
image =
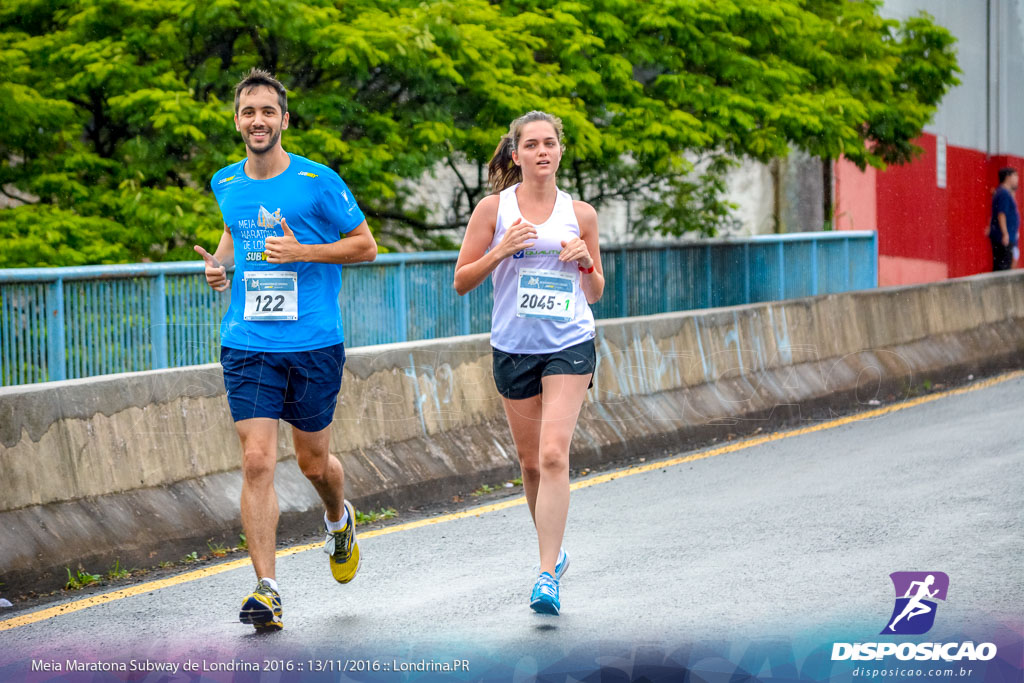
<point x="821" y="426"/>
<point x="68" y="608"/>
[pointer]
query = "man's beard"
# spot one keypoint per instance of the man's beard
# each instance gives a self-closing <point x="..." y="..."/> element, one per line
<point x="271" y="143"/>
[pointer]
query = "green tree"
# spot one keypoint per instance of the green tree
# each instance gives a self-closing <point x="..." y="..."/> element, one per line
<point x="117" y="112"/>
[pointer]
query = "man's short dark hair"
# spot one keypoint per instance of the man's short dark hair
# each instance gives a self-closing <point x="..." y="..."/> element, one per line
<point x="1005" y="173"/>
<point x="257" y="78"/>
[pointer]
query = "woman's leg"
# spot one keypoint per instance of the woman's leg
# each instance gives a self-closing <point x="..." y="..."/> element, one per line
<point x="561" y="401"/>
<point x="524" y="419"/>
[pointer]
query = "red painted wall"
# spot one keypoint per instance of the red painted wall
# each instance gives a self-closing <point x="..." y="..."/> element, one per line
<point x="911" y="209"/>
<point x="919" y="220"/>
<point x="856" y="196"/>
<point x="970" y="201"/>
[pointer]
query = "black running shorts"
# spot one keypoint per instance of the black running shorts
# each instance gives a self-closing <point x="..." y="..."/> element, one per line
<point x="518" y="375"/>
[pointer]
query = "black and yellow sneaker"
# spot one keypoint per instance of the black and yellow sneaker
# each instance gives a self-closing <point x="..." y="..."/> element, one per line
<point x="262" y="609"/>
<point x="343" y="549"/>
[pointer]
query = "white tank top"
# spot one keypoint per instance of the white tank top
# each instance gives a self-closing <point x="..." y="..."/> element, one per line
<point x="536" y="311"/>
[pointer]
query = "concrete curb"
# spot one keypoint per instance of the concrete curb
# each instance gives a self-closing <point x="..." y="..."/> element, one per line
<point x="143" y="467"/>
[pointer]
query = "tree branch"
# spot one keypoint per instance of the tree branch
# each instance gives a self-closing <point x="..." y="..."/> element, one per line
<point x="577" y="172"/>
<point x="371" y="83"/>
<point x="22" y="201"/>
<point x="625" y="192"/>
<point x="471" y="193"/>
<point x="407" y="220"/>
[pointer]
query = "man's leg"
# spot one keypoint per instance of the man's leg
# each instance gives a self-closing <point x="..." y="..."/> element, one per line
<point x="314" y="380"/>
<point x="1002" y="257"/>
<point x="322" y="469"/>
<point x="259" y="500"/>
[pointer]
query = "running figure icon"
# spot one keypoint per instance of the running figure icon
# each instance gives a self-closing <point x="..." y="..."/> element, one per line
<point x="915" y="607"/>
<point x="917" y="594"/>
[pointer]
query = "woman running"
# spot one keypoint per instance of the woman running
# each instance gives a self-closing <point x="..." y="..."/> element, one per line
<point x="541" y="249"/>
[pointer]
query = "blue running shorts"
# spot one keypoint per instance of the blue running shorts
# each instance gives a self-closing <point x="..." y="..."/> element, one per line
<point x="299" y="387"/>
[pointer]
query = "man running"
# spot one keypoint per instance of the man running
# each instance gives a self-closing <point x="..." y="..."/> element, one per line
<point x="282" y="338"/>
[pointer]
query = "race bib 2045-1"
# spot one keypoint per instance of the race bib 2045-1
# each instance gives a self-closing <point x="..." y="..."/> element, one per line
<point x="545" y="294"/>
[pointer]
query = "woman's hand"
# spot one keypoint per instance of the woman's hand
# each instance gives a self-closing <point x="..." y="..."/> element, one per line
<point x="576" y="250"/>
<point x="518" y="236"/>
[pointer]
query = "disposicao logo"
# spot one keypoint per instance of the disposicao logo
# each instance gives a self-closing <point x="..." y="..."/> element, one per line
<point x="914" y="614"/>
<point x="916" y="593"/>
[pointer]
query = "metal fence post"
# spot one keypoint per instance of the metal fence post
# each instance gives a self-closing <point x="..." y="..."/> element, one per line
<point x="664" y="289"/>
<point x="782" y="272"/>
<point x="814" y="266"/>
<point x="620" y="282"/>
<point x="158" y="322"/>
<point x="403" y="305"/>
<point x="56" y="351"/>
<point x="846" y="264"/>
<point x="874" y="260"/>
<point x="464" y="314"/>
<point x="746" y="273"/>
<point x="708" y="277"/>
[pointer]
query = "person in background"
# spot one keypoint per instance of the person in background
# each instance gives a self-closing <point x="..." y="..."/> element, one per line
<point x="1003" y="228"/>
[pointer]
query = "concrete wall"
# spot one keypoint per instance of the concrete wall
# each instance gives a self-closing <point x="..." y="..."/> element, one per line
<point x="143" y="467"/>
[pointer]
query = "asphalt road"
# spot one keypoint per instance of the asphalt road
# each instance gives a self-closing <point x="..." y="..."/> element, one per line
<point x="792" y="539"/>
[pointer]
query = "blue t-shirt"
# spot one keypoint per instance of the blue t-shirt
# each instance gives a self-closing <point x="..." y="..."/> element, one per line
<point x="1003" y="202"/>
<point x="319" y="208"/>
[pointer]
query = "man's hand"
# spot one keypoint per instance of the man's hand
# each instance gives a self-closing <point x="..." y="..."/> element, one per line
<point x="1001" y="219"/>
<point x="284" y="249"/>
<point x="216" y="273"/>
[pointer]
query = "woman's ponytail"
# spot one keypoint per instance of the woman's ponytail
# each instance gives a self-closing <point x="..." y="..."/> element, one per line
<point x="502" y="171"/>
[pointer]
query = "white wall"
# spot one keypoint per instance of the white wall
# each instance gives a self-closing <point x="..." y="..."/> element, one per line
<point x="958" y="117"/>
<point x="1007" y="111"/>
<point x="986" y="111"/>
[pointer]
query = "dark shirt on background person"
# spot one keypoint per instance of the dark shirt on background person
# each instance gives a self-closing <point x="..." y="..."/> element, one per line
<point x="1005" y="222"/>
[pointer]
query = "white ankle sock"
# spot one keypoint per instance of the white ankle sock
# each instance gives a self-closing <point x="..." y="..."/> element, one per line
<point x="340" y="524"/>
<point x="270" y="582"/>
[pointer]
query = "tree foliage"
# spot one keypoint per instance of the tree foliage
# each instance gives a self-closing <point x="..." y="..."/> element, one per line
<point x="117" y="112"/>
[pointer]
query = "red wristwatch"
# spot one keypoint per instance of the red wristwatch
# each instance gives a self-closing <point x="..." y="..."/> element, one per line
<point x="586" y="270"/>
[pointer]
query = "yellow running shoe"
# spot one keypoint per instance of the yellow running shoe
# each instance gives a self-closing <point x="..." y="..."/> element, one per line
<point x="262" y="609"/>
<point x="343" y="549"/>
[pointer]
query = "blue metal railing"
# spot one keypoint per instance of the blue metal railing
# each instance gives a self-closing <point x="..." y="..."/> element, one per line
<point x="63" y="323"/>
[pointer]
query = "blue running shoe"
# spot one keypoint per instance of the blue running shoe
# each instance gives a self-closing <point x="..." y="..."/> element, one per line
<point x="562" y="564"/>
<point x="544" y="599"/>
<point x="262" y="609"/>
